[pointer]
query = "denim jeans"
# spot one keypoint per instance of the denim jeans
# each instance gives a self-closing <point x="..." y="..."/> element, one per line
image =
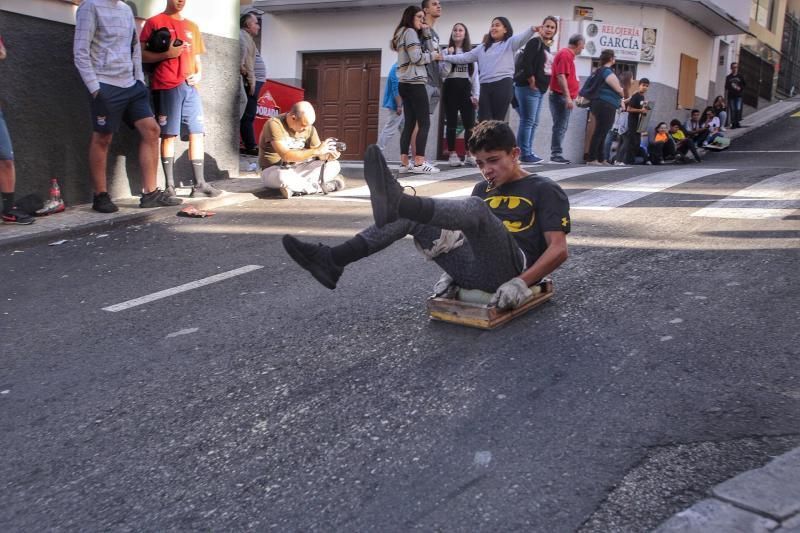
<point x="560" y="113"/>
<point x="735" y="109"/>
<point x="530" y="103"/>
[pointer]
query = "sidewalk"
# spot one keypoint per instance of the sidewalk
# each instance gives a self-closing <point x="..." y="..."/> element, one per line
<point x="760" y="500"/>
<point x="80" y="219"/>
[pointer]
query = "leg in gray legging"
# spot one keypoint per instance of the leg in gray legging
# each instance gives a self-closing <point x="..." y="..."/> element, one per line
<point x="489" y="257"/>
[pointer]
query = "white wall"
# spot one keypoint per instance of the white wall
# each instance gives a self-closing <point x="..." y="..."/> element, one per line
<point x="286" y="36"/>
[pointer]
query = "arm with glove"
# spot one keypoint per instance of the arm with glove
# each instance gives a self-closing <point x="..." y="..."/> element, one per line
<point x="516" y="291"/>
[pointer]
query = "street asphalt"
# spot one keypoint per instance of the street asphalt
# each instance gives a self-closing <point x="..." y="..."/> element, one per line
<point x="666" y="363"/>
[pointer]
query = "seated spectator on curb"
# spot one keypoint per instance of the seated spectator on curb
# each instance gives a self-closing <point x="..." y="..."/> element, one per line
<point x="292" y="157"/>
<point x="683" y="143"/>
<point x="712" y="125"/>
<point x="661" y="147"/>
<point x="720" y="109"/>
<point x="694" y="128"/>
<point x="11" y="215"/>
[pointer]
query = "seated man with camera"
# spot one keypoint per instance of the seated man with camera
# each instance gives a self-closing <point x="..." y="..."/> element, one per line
<point x="293" y="159"/>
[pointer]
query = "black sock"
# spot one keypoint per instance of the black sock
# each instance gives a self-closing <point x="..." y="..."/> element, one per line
<point x="8" y="201"/>
<point x="350" y="251"/>
<point x="416" y="208"/>
<point x="168" y="163"/>
<point x="197" y="167"/>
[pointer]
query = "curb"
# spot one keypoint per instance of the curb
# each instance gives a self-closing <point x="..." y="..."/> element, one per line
<point x="80" y="220"/>
<point x="761" y="500"/>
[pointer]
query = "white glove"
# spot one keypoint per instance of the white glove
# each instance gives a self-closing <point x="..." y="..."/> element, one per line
<point x="511" y="294"/>
<point x="443" y="285"/>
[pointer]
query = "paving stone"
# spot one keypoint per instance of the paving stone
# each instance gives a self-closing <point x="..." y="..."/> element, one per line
<point x="714" y="516"/>
<point x="773" y="490"/>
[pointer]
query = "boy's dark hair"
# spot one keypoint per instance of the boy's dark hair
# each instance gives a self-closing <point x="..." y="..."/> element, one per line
<point x="693" y="111"/>
<point x="675" y="122"/>
<point x="243" y="18"/>
<point x="492" y="135"/>
<point x="644" y="81"/>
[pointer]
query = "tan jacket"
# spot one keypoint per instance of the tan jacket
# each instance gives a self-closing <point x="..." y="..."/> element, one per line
<point x="247" y="51"/>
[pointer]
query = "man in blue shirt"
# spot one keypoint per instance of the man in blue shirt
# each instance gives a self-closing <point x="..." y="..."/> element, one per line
<point x="392" y="102"/>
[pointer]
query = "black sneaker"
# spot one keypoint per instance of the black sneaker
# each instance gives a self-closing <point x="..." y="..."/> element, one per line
<point x="15" y="216"/>
<point x="206" y="189"/>
<point x="158" y="198"/>
<point x="102" y="203"/>
<point x="316" y="258"/>
<point x="558" y="160"/>
<point x="384" y="190"/>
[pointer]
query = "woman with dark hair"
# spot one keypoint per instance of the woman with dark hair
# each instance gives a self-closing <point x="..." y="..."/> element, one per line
<point x="712" y="123"/>
<point x="248" y="29"/>
<point x="620" y="123"/>
<point x="412" y="76"/>
<point x="495" y="60"/>
<point x="531" y="80"/>
<point x="460" y="96"/>
<point x="604" y="107"/>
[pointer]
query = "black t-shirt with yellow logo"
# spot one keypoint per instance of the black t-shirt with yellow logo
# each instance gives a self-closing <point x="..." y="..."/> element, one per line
<point x="528" y="207"/>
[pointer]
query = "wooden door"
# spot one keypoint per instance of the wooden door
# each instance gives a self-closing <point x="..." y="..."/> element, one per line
<point x="344" y="88"/>
<point x="687" y="82"/>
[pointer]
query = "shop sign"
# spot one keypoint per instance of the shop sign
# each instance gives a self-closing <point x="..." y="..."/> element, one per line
<point x="630" y="43"/>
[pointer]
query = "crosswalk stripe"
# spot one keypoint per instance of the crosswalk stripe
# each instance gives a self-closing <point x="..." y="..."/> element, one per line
<point x="774" y="197"/>
<point x="555" y="175"/>
<point x="624" y="192"/>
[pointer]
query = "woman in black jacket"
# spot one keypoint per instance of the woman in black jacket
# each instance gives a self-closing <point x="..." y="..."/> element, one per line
<point x="531" y="79"/>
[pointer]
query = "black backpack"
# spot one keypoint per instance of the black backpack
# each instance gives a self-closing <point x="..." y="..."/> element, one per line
<point x="591" y="87"/>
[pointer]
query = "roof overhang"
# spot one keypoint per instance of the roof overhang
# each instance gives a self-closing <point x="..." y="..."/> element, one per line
<point x="705" y="14"/>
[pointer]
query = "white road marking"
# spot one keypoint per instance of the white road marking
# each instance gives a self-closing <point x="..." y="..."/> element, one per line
<point x="764" y="151"/>
<point x="774" y="197"/>
<point x="624" y="192"/>
<point x="181" y="288"/>
<point x="555" y="175"/>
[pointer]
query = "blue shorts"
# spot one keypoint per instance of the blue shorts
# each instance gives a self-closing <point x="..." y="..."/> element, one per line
<point x="179" y="106"/>
<point x="6" y="151"/>
<point x="114" y="104"/>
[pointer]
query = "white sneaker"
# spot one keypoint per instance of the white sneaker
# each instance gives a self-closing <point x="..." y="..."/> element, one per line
<point x="403" y="169"/>
<point x="470" y="161"/>
<point x="454" y="160"/>
<point x="619" y="164"/>
<point x="424" y="168"/>
<point x="286" y="192"/>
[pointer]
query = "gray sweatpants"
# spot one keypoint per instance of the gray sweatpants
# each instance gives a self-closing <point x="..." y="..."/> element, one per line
<point x="489" y="257"/>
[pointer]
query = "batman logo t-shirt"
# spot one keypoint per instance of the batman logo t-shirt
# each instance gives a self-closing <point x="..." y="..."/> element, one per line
<point x="528" y="207"/>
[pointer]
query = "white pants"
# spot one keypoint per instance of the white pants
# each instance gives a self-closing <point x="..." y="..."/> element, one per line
<point x="302" y="178"/>
<point x="394" y="125"/>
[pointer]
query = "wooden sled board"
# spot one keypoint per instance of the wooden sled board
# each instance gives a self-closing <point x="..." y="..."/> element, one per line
<point x="484" y="316"/>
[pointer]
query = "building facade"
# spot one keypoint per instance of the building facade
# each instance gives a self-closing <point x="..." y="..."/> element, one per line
<point x="47" y="105"/>
<point x="339" y="52"/>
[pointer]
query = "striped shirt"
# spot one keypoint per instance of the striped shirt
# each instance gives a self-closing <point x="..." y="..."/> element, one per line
<point x="106" y="46"/>
<point x="411" y="58"/>
<point x="261" y="67"/>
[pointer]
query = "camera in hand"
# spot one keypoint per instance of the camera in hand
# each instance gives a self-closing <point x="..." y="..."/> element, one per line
<point x="340" y="146"/>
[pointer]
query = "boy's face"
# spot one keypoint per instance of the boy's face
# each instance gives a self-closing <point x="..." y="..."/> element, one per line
<point x="643" y="87"/>
<point x="696" y="116"/>
<point x="498" y="166"/>
<point x="674" y="128"/>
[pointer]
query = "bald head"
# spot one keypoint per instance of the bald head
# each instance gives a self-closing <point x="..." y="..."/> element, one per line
<point x="304" y="112"/>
